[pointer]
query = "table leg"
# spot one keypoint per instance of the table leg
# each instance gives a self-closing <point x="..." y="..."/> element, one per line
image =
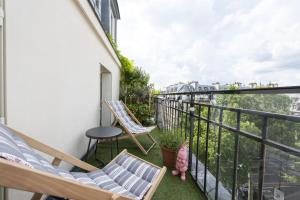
<point x="87" y="152"/>
<point x="96" y="150"/>
<point x="117" y="145"/>
<point x="111" y="149"/>
<point x="100" y="162"/>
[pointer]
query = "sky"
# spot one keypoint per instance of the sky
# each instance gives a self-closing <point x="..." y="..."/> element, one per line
<point x="212" y="40"/>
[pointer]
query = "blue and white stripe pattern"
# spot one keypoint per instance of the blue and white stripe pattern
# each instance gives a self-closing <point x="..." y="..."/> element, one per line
<point x="25" y="152"/>
<point x="9" y="150"/>
<point x="125" y="119"/>
<point x="126" y="175"/>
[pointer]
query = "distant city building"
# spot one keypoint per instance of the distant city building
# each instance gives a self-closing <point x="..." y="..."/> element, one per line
<point x="228" y="86"/>
<point x="273" y="85"/>
<point x="253" y="85"/>
<point x="216" y="85"/>
<point x="192" y="86"/>
<point x="295" y="106"/>
<point x="174" y="88"/>
<point x="277" y="167"/>
<point x="240" y="85"/>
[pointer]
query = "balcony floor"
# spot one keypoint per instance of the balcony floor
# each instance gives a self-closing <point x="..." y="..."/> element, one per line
<point x="171" y="187"/>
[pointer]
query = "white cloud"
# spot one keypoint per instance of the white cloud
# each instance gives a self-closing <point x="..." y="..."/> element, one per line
<point x="206" y="40"/>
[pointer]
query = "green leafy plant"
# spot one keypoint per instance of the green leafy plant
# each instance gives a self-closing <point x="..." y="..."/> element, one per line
<point x="170" y="141"/>
<point x="135" y="89"/>
<point x="141" y="111"/>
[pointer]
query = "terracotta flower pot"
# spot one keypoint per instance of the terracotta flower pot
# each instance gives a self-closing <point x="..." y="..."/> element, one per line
<point x="169" y="157"/>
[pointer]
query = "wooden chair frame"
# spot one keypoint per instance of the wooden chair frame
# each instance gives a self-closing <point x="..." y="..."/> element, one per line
<point x="130" y="134"/>
<point x="20" y="177"/>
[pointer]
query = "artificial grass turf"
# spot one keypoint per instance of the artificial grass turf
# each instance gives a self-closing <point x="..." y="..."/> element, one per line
<point x="171" y="187"/>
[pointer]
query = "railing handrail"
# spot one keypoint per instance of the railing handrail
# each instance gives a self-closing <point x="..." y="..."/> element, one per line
<point x="271" y="90"/>
<point x="177" y="112"/>
<point x="260" y="113"/>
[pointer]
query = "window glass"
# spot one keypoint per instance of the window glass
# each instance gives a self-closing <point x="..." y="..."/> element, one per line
<point x="112" y="26"/>
<point x="98" y="6"/>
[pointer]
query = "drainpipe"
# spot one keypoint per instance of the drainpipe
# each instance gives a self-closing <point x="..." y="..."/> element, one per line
<point x="2" y="80"/>
<point x="2" y="66"/>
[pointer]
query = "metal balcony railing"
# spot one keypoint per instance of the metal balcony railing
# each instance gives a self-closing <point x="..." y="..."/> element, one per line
<point x="243" y="144"/>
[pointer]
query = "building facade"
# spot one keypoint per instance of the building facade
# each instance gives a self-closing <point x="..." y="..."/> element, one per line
<point x="108" y="13"/>
<point x="295" y="106"/>
<point x="56" y="66"/>
<point x="192" y="86"/>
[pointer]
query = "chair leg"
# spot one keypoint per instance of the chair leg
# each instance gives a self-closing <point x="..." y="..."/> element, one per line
<point x="151" y="147"/>
<point x="127" y="135"/>
<point x="36" y="196"/>
<point x="153" y="140"/>
<point x="114" y="123"/>
<point x="151" y="137"/>
<point x="139" y="145"/>
<point x="124" y="137"/>
<point x="135" y="140"/>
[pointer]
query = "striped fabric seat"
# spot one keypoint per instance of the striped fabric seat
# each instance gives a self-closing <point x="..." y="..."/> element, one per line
<point x="125" y="175"/>
<point x="131" y="125"/>
<point x="132" y="174"/>
<point x="24" y="152"/>
<point x="9" y="149"/>
<point x="119" y="109"/>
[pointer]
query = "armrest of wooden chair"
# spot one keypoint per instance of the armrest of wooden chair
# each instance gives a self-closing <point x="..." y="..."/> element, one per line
<point x="24" y="178"/>
<point x="58" y="155"/>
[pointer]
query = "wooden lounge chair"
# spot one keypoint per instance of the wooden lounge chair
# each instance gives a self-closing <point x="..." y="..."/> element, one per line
<point x="130" y="123"/>
<point x="125" y="177"/>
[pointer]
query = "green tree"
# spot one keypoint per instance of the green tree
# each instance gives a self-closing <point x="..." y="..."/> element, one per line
<point x="281" y="131"/>
<point x="134" y="86"/>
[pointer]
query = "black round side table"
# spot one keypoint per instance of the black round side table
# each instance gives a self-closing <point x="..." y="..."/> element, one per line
<point x="101" y="133"/>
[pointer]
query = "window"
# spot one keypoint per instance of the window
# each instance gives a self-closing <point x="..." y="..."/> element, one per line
<point x="112" y="26"/>
<point x="97" y="6"/>
<point x="98" y="3"/>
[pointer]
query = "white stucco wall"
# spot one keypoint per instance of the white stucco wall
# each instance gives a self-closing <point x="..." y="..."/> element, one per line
<point x="54" y="50"/>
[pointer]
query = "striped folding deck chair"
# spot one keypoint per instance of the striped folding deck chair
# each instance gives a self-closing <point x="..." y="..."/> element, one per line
<point x="126" y="177"/>
<point x="130" y="123"/>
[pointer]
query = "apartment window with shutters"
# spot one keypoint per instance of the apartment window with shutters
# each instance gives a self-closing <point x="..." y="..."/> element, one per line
<point x="98" y="6"/>
<point x="112" y="26"/>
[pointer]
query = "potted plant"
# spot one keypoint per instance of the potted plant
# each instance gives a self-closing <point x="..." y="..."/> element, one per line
<point x="169" y="144"/>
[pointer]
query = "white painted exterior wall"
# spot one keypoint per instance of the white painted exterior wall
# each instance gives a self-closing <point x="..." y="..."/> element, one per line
<point x="53" y="56"/>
